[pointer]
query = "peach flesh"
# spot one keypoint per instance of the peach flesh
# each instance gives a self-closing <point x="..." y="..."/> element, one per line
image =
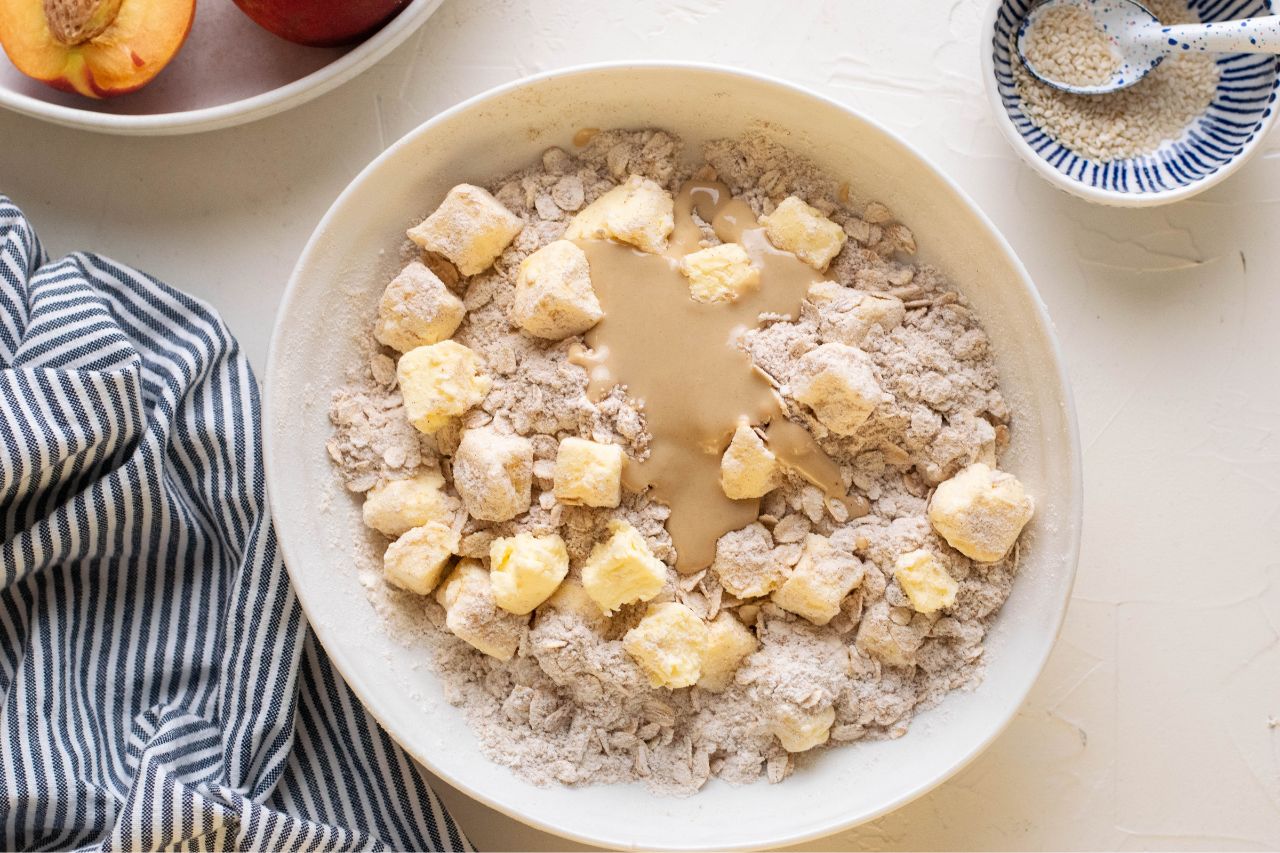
<point x="98" y="48"/>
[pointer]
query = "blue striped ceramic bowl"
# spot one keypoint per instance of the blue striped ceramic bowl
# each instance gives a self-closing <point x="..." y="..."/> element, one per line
<point x="1219" y="142"/>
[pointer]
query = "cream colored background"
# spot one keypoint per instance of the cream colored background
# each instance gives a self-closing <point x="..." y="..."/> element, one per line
<point x="1156" y="722"/>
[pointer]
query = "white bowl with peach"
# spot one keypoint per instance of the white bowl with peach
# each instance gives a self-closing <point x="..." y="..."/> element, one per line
<point x="153" y="67"/>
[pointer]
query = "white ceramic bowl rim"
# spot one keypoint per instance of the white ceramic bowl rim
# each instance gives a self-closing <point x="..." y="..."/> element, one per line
<point x="1114" y="198"/>
<point x="1070" y="517"/>
<point x="245" y="110"/>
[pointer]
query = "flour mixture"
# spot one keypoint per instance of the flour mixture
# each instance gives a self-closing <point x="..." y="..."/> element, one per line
<point x="683" y="471"/>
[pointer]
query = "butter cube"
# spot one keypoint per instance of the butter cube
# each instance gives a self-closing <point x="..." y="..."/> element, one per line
<point x="729" y="642"/>
<point x="554" y="298"/>
<point x="589" y="473"/>
<point x="571" y="597"/>
<point x="925" y="581"/>
<point x="746" y="564"/>
<point x="493" y="474"/>
<point x="748" y="468"/>
<point x="395" y="506"/>
<point x="881" y="637"/>
<point x="805" y="232"/>
<point x="472" y="616"/>
<point x="622" y="570"/>
<point x="668" y="644"/>
<point x="439" y="382"/>
<point x="980" y="512"/>
<point x="836" y="381"/>
<point x="846" y="315"/>
<point x="638" y="212"/>
<point x="799" y="730"/>
<point x="819" y="582"/>
<point x="525" y="569"/>
<point x="416" y="309"/>
<point x="720" y="274"/>
<point x="416" y="560"/>
<point x="470" y="228"/>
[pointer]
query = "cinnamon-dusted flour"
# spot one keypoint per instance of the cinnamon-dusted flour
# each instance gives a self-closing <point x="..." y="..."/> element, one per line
<point x="572" y="706"/>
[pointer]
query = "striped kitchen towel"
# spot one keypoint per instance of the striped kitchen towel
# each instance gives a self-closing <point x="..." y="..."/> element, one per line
<point x="161" y="688"/>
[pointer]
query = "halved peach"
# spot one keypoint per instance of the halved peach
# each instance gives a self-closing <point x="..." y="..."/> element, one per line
<point x="98" y="48"/>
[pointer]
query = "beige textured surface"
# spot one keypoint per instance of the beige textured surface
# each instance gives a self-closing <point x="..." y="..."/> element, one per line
<point x="1167" y="671"/>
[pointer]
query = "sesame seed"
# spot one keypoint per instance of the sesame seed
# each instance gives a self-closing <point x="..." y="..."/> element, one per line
<point x="1066" y="44"/>
<point x="1118" y="125"/>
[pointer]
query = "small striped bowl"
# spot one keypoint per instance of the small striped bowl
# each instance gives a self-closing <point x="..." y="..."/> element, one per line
<point x="1217" y="144"/>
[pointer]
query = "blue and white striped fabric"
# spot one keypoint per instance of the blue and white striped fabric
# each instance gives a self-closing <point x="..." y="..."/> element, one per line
<point x="161" y="689"/>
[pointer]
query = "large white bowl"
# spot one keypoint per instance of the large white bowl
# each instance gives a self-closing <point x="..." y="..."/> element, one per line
<point x="351" y="256"/>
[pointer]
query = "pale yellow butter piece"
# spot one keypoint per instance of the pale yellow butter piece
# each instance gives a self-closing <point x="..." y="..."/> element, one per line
<point x="980" y="512"/>
<point x="848" y="315"/>
<point x="493" y="473"/>
<point x="439" y="382"/>
<point x="571" y="597"/>
<point x="472" y="616"/>
<point x="819" y="582"/>
<point x="416" y="560"/>
<point x="416" y="309"/>
<point x="805" y="232"/>
<point x="729" y="642"/>
<point x="622" y="570"/>
<point x="637" y="211"/>
<point x="925" y="581"/>
<point x="470" y="228"/>
<point x="668" y="644"/>
<point x="799" y="730"/>
<point x="720" y="273"/>
<point x="395" y="506"/>
<point x="748" y="469"/>
<point x="526" y="569"/>
<point x="588" y="473"/>
<point x="554" y="298"/>
<point x="836" y="381"/>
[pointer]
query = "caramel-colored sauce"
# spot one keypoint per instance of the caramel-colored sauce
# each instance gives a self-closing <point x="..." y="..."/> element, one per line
<point x="792" y="443"/>
<point x="584" y="136"/>
<point x="679" y="358"/>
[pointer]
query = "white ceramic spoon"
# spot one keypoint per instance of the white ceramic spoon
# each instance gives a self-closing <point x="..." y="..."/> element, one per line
<point x="1143" y="42"/>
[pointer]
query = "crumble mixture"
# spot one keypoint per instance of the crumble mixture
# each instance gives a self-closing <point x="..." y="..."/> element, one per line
<point x="572" y="705"/>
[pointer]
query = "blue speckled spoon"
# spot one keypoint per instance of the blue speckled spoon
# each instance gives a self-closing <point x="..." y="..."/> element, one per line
<point x="1142" y="41"/>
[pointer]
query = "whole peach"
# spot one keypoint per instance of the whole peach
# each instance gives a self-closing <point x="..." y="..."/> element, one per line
<point x="321" y="23"/>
